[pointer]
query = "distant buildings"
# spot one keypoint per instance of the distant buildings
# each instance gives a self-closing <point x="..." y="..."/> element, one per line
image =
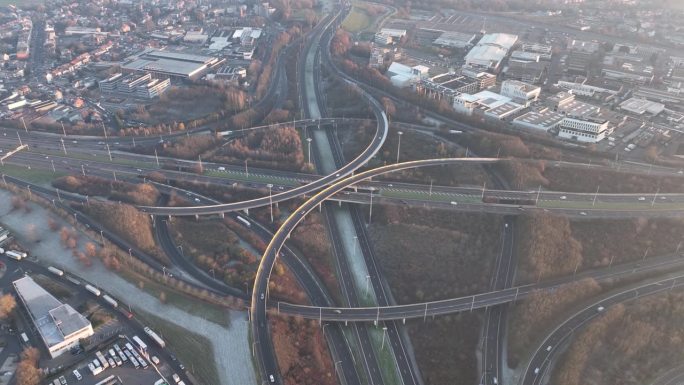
<point x="403" y="76"/>
<point x="489" y="103"/>
<point x="490" y="51"/>
<point x="141" y="86"/>
<point x="642" y="107"/>
<point x="455" y="40"/>
<point x="544" y="120"/>
<point x="60" y="326"/>
<point x="167" y="64"/>
<point x="584" y="130"/>
<point x="519" y="92"/>
<point x="388" y="36"/>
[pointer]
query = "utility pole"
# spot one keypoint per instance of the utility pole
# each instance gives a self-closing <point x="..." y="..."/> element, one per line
<point x="104" y="130"/>
<point x="538" y="192"/>
<point x="83" y="170"/>
<point x="655" y="196"/>
<point x="24" y="123"/>
<point x="63" y="146"/>
<point x="19" y="136"/>
<point x="109" y="153"/>
<point x="63" y="129"/>
<point x="399" y="145"/>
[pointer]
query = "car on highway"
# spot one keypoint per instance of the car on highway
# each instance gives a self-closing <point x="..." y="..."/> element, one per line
<point x="155" y="360"/>
<point x="600" y="309"/>
<point x="563" y="197"/>
<point x="583" y="213"/>
<point x="642" y="198"/>
<point x="271" y="378"/>
<point x="536" y="370"/>
<point x="262" y="296"/>
<point x="548" y="348"/>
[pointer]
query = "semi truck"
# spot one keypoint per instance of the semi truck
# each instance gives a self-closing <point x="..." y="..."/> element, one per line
<point x="155" y="337"/>
<point x="93" y="290"/>
<point x="56" y="271"/>
<point x="18" y="255"/>
<point x="110" y="300"/>
<point x="244" y="221"/>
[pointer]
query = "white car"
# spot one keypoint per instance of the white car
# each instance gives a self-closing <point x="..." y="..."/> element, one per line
<point x="176" y="378"/>
<point x="548" y="348"/>
<point x="78" y="375"/>
<point x="642" y="198"/>
<point x="600" y="309"/>
<point x="155" y="360"/>
<point x="536" y="370"/>
<point x="563" y="197"/>
<point x="270" y="377"/>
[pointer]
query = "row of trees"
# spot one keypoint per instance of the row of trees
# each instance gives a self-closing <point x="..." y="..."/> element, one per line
<point x="139" y="194"/>
<point x="280" y="148"/>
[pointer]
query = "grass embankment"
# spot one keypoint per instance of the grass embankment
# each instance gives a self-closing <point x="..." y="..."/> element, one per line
<point x="357" y="21"/>
<point x="192" y="350"/>
<point x="430" y="255"/>
<point x="191" y="305"/>
<point x="37" y="176"/>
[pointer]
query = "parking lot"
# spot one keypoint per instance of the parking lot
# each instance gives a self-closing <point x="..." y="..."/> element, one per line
<point x="123" y="360"/>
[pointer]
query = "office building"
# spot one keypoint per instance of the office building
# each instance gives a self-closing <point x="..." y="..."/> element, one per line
<point x="59" y="325"/>
<point x="519" y="92"/>
<point x="584" y="130"/>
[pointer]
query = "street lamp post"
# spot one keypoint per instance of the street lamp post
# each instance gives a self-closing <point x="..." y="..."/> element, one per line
<point x="370" y="212"/>
<point x="399" y="145"/>
<point x="246" y="169"/>
<point x="308" y="140"/>
<point x="270" y="199"/>
<point x="384" y="333"/>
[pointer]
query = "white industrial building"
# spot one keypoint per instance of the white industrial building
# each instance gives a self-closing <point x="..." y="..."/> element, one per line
<point x="584" y="130"/>
<point x="388" y="36"/>
<point x="168" y="64"/>
<point x="491" y="50"/>
<point x="453" y="39"/>
<point x="138" y="85"/>
<point x="520" y="92"/>
<point x="403" y="76"/>
<point x="539" y="120"/>
<point x="641" y="106"/>
<point x="60" y="326"/>
<point x="491" y="104"/>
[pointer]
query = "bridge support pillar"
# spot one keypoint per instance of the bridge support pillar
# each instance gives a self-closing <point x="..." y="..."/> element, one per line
<point x="197" y="217"/>
<point x="169" y="217"/>
<point x="320" y="208"/>
<point x="223" y="215"/>
<point x="403" y="321"/>
<point x="276" y="204"/>
<point x="346" y="323"/>
<point x="339" y="203"/>
<point x="247" y="211"/>
<point x="152" y="218"/>
<point x="375" y="322"/>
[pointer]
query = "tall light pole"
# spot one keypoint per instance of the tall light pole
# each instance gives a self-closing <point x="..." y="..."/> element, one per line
<point x="246" y="169"/>
<point x="270" y="199"/>
<point x="399" y="145"/>
<point x="63" y="146"/>
<point x="24" y="123"/>
<point x="308" y="141"/>
<point x="109" y="152"/>
<point x="384" y="333"/>
<point x="63" y="129"/>
<point x="370" y="211"/>
<point x="104" y="130"/>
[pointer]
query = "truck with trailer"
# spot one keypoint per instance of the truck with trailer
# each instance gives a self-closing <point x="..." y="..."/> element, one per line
<point x="155" y="337"/>
<point x="141" y="345"/>
<point x="18" y="255"/>
<point x="93" y="290"/>
<point x="244" y="221"/>
<point x="110" y="300"/>
<point x="102" y="359"/>
<point x="56" y="271"/>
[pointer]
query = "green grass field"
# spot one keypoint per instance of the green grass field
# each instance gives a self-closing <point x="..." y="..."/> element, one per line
<point x="357" y="21"/>
<point x="193" y="350"/>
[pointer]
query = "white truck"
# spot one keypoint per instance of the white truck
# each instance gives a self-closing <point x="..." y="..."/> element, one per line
<point x="56" y="271"/>
<point x="93" y="290"/>
<point x="18" y="255"/>
<point x="155" y="337"/>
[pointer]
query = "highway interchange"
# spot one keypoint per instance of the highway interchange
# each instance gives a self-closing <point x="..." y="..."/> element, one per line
<point x="91" y="156"/>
